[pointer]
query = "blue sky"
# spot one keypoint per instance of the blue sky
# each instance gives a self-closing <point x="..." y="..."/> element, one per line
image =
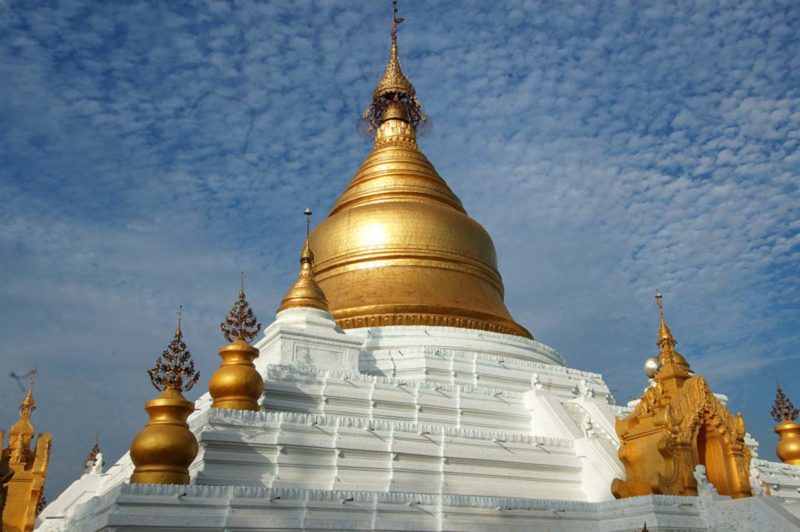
<point x="150" y="151"/>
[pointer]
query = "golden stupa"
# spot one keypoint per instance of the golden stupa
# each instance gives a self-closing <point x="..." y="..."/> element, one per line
<point x="398" y="248"/>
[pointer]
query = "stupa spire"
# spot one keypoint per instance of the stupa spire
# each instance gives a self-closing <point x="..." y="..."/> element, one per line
<point x="664" y="334"/>
<point x="394" y="95"/>
<point x="22" y="432"/>
<point x="674" y="367"/>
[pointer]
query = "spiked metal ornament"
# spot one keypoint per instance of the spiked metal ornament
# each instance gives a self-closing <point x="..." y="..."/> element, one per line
<point x="394" y="86"/>
<point x="783" y="409"/>
<point x="175" y="367"/>
<point x="241" y="322"/>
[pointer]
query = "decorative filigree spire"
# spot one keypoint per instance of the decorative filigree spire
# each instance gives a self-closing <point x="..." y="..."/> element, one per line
<point x="664" y="334"/>
<point x="394" y="86"/>
<point x="783" y="409"/>
<point x="241" y="322"/>
<point x="175" y="368"/>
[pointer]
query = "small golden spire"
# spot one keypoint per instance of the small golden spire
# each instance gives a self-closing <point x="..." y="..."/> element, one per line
<point x="28" y="405"/>
<point x="394" y="86"/>
<point x="241" y="322"/>
<point x="674" y="367"/>
<point x="664" y="334"/>
<point x="21" y="433"/>
<point x="305" y="292"/>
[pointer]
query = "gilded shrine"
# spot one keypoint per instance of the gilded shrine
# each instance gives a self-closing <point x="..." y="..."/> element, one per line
<point x="678" y="425"/>
<point x="24" y="480"/>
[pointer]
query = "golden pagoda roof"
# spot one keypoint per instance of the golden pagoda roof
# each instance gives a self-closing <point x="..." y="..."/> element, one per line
<point x="398" y="248"/>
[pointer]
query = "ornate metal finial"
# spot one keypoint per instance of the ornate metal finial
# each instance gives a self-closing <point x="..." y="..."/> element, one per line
<point x="175" y="368"/>
<point x="178" y="332"/>
<point x="308" y="213"/>
<point x="395" y="21"/>
<point x="241" y="322"/>
<point x="394" y="87"/>
<point x="659" y="299"/>
<point x="664" y="334"/>
<point x="782" y="408"/>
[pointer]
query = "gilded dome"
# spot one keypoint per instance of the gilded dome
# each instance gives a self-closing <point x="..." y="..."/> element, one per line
<point x="398" y="248"/>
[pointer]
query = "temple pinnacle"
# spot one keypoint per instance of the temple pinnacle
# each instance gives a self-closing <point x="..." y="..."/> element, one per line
<point x="664" y="334"/>
<point x="394" y="86"/>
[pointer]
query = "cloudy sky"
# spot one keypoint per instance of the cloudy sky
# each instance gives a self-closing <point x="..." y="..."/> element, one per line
<point x="150" y="151"/>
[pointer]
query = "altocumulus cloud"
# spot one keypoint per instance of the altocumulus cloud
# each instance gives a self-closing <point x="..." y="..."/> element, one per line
<point x="151" y="151"/>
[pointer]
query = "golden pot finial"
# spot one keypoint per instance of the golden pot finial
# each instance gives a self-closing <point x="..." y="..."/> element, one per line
<point x="788" y="430"/>
<point x="237" y="385"/>
<point x="163" y="451"/>
<point x="305" y="292"/>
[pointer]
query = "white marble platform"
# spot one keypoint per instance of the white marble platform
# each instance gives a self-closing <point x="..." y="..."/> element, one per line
<point x="410" y="428"/>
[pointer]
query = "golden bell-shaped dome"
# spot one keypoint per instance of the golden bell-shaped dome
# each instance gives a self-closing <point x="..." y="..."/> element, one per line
<point x="398" y="248"/>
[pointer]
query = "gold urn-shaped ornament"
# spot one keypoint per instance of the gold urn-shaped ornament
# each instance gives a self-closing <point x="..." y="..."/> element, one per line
<point x="164" y="449"/>
<point x="788" y="430"/>
<point x="237" y="385"/>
